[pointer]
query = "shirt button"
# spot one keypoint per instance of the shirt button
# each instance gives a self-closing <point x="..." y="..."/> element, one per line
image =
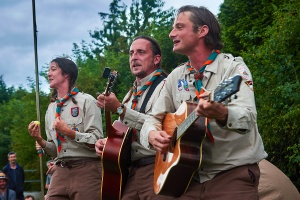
<point x="230" y="125"/>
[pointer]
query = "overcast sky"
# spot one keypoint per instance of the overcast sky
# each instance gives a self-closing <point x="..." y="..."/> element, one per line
<point x="60" y="23"/>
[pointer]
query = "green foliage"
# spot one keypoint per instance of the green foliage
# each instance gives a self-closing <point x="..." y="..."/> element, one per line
<point x="19" y="111"/>
<point x="144" y="17"/>
<point x="244" y="23"/>
<point x="274" y="60"/>
<point x="4" y="91"/>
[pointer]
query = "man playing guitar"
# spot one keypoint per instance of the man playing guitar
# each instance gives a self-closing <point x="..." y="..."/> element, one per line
<point x="144" y="59"/>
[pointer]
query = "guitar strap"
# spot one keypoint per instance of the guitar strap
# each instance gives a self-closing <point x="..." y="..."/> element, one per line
<point x="151" y="90"/>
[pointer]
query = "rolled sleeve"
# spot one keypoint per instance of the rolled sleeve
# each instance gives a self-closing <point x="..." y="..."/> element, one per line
<point x="237" y="121"/>
<point x="134" y="119"/>
<point x="50" y="149"/>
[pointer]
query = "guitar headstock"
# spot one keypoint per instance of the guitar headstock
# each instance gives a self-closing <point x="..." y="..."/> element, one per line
<point x="227" y="88"/>
<point x="111" y="76"/>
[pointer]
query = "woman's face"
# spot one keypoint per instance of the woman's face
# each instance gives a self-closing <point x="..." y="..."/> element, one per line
<point x="56" y="77"/>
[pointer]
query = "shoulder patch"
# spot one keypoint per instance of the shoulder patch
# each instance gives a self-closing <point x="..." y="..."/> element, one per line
<point x="244" y="72"/>
<point x="249" y="84"/>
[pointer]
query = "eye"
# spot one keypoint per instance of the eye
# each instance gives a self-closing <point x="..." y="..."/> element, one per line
<point x="141" y="52"/>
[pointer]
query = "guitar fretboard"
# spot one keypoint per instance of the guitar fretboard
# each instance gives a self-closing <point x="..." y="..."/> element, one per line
<point x="186" y="124"/>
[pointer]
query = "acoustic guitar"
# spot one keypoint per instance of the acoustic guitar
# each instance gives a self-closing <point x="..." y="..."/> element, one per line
<point x="116" y="156"/>
<point x="174" y="170"/>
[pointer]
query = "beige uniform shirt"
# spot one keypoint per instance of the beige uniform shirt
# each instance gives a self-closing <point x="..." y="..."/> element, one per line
<point x="135" y="119"/>
<point x="83" y="117"/>
<point x="239" y="142"/>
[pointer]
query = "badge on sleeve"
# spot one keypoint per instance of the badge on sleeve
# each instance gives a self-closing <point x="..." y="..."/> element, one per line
<point x="250" y="84"/>
<point x="75" y="111"/>
<point x="244" y="73"/>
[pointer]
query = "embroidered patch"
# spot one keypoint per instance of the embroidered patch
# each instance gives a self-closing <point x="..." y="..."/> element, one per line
<point x="182" y="83"/>
<point x="75" y="111"/>
<point x="243" y="72"/>
<point x="250" y="84"/>
<point x="74" y="128"/>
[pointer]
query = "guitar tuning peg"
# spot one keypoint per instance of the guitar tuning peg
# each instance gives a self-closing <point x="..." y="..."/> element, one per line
<point x="235" y="96"/>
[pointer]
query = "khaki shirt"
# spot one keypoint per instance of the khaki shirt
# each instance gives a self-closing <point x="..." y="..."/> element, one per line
<point x="135" y="119"/>
<point x="83" y="117"/>
<point x="239" y="142"/>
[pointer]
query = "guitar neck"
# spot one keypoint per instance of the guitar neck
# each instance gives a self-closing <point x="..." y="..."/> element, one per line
<point x="108" y="119"/>
<point x="186" y="124"/>
<point x="223" y="91"/>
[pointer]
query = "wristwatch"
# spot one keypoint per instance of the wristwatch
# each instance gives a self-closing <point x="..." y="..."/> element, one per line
<point x="120" y="109"/>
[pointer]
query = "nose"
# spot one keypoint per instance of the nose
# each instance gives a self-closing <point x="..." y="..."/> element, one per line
<point x="172" y="34"/>
<point x="48" y="73"/>
<point x="133" y="56"/>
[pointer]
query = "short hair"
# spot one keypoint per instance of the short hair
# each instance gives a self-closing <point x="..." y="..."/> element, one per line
<point x="155" y="48"/>
<point x="28" y="196"/>
<point x="202" y="16"/>
<point x="11" y="153"/>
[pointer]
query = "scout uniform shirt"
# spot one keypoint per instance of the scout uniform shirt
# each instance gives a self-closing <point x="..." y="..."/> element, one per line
<point x="83" y="117"/>
<point x="238" y="142"/>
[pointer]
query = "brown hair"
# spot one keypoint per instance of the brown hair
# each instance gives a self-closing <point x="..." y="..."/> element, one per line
<point x="202" y="16"/>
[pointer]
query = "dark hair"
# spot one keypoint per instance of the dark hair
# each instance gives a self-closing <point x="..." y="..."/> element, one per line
<point x="202" y="16"/>
<point x="11" y="153"/>
<point x="28" y="196"/>
<point x="68" y="67"/>
<point x="154" y="45"/>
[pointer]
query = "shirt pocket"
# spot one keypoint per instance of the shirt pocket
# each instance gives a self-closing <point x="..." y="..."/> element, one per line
<point x="181" y="97"/>
<point x="75" y="124"/>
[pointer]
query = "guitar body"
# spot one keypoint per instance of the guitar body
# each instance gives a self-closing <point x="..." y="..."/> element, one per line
<point x="174" y="170"/>
<point x="116" y="159"/>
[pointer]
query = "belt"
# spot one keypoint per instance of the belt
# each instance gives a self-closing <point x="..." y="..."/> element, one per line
<point x="143" y="162"/>
<point x="70" y="163"/>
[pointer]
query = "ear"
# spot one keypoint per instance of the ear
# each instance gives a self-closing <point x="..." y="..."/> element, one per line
<point x="66" y="75"/>
<point x="157" y="59"/>
<point x="203" y="31"/>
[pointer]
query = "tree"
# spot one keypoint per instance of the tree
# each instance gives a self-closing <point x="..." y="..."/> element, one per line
<point x="270" y="44"/>
<point x="4" y="91"/>
<point x="244" y="23"/>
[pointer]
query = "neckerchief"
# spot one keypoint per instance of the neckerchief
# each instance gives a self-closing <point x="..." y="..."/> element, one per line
<point x="60" y="103"/>
<point x="198" y="83"/>
<point x="136" y="94"/>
